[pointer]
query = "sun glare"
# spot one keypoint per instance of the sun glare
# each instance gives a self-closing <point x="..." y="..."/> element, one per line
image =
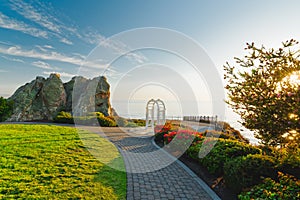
<point x="293" y="79"/>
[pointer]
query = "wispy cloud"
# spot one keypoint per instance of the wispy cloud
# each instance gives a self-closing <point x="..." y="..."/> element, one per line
<point x="66" y="41"/>
<point x="49" y="55"/>
<point x="13" y="59"/>
<point x="43" y="18"/>
<point x="31" y="13"/>
<point x="12" y="24"/>
<point x="49" y="26"/>
<point x="62" y="74"/>
<point x="48" y="46"/>
<point x="93" y="37"/>
<point x="41" y="64"/>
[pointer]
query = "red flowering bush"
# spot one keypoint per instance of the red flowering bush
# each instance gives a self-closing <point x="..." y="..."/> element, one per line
<point x="162" y="128"/>
<point x="183" y="135"/>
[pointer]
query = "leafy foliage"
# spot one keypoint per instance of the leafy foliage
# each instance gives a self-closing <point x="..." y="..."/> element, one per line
<point x="265" y="92"/>
<point x="246" y="171"/>
<point x="288" y="187"/>
<point x="65" y="117"/>
<point x="6" y="108"/>
<point x="94" y="117"/>
<point x="51" y="162"/>
<point x="223" y="151"/>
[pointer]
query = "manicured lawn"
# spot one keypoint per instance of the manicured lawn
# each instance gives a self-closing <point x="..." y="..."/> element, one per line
<point x="52" y="162"/>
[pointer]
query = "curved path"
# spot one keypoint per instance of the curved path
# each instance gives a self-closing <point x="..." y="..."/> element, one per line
<point x="152" y="173"/>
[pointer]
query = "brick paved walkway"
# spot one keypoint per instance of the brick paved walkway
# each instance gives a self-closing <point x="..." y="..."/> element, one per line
<point x="154" y="174"/>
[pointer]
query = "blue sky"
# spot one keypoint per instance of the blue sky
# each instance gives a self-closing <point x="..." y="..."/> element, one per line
<point x="41" y="37"/>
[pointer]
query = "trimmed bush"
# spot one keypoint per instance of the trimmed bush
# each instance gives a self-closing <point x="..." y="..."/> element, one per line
<point x="218" y="134"/>
<point x="138" y="122"/>
<point x="223" y="151"/>
<point x="90" y="119"/>
<point x="64" y="117"/>
<point x="131" y="125"/>
<point x="288" y="158"/>
<point x="245" y="171"/>
<point x="106" y="122"/>
<point x="288" y="187"/>
<point x="290" y="165"/>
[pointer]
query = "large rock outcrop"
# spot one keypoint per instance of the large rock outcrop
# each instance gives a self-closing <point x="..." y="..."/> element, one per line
<point x="42" y="99"/>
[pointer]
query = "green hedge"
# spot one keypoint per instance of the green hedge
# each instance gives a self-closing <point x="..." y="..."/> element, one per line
<point x="223" y="151"/>
<point x="288" y="158"/>
<point x="106" y="122"/>
<point x="290" y="165"/>
<point x="64" y="117"/>
<point x="90" y="119"/>
<point x="287" y="187"/>
<point x="245" y="171"/>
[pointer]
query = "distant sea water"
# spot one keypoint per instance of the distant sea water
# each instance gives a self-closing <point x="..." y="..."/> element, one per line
<point x="137" y="110"/>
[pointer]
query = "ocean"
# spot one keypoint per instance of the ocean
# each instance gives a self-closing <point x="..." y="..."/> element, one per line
<point x="136" y="109"/>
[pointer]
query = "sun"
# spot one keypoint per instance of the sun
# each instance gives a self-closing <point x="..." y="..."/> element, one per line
<point x="292" y="79"/>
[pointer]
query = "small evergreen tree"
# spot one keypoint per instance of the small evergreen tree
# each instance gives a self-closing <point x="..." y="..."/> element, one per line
<point x="265" y="91"/>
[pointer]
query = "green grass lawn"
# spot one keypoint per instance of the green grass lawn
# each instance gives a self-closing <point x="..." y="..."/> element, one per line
<point x="52" y="162"/>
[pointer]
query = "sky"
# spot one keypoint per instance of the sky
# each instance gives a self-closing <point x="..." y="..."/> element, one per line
<point x="38" y="38"/>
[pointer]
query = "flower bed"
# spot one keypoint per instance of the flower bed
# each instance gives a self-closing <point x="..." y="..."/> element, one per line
<point x="242" y="167"/>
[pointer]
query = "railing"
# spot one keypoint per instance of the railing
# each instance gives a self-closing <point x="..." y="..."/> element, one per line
<point x="202" y="119"/>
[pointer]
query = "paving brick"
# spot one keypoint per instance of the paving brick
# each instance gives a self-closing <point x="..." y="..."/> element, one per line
<point x="152" y="173"/>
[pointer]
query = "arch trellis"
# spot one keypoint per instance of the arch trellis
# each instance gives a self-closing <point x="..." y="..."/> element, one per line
<point x="161" y="112"/>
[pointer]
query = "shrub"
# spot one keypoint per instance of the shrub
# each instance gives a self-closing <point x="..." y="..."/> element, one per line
<point x="163" y="128"/>
<point x="290" y="165"/>
<point x="138" y="122"/>
<point x="288" y="158"/>
<point x="6" y="109"/>
<point x="106" y="122"/>
<point x="288" y="187"/>
<point x="223" y="151"/>
<point x="183" y="135"/>
<point x="64" y="117"/>
<point x="131" y="124"/>
<point x="245" y="171"/>
<point x="218" y="134"/>
<point x="89" y="119"/>
<point x="160" y="131"/>
<point x="159" y="136"/>
<point x="193" y="150"/>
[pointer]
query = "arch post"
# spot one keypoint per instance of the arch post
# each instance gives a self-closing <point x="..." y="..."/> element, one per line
<point x="161" y="112"/>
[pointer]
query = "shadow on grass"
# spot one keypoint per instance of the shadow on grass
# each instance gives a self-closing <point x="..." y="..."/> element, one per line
<point x="111" y="177"/>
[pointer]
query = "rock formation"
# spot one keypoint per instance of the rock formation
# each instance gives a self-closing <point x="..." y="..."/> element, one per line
<point x="42" y="99"/>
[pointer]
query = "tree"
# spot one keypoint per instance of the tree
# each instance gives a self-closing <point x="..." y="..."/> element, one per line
<point x="6" y="107"/>
<point x="265" y="91"/>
